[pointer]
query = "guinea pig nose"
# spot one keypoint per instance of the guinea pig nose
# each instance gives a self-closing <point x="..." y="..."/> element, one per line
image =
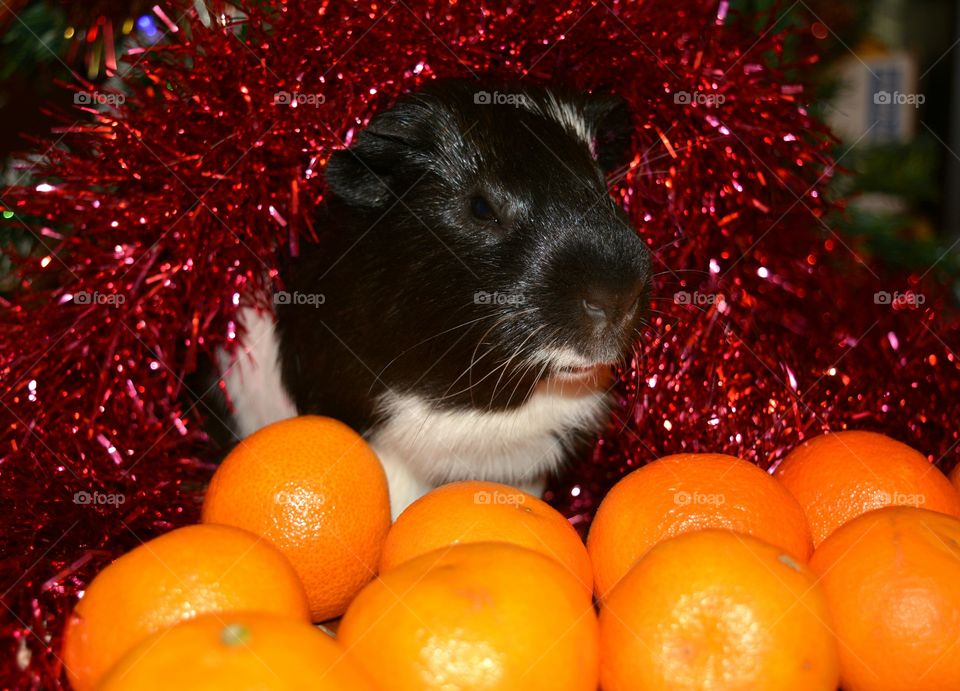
<point x="594" y="309"/>
<point x="603" y="304"/>
<point x="612" y="306"/>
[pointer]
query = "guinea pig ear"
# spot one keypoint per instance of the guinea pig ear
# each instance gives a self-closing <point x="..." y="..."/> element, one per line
<point x="350" y="178"/>
<point x="364" y="174"/>
<point x="609" y="119"/>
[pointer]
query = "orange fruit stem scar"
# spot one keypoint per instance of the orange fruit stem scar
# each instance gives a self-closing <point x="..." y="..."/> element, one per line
<point x="237" y="650"/>
<point x="174" y="577"/>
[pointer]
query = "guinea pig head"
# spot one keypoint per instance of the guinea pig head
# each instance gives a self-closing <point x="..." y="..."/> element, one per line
<point x="503" y="258"/>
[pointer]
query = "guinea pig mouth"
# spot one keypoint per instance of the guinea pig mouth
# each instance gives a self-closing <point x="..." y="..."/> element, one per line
<point x="577" y="371"/>
<point x="585" y="373"/>
<point x="566" y="365"/>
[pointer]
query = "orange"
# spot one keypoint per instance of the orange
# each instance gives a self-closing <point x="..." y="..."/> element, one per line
<point x="315" y="489"/>
<point x="714" y="609"/>
<point x="465" y="512"/>
<point x="488" y="615"/>
<point x="183" y="573"/>
<point x="686" y="492"/>
<point x="890" y="577"/>
<point x="237" y="650"/>
<point x="955" y="476"/>
<point x="837" y="477"/>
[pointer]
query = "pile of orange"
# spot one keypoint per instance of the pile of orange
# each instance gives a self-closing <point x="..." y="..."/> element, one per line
<point x="700" y="571"/>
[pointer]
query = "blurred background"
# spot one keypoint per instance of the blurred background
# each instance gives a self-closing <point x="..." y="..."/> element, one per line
<point x="888" y="82"/>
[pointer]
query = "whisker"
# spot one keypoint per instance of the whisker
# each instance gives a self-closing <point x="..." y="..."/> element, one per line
<point x="679" y="271"/>
<point x="437" y="335"/>
<point x="515" y="353"/>
<point x="474" y="359"/>
<point x="528" y="367"/>
<point x="379" y="375"/>
<point x="537" y="379"/>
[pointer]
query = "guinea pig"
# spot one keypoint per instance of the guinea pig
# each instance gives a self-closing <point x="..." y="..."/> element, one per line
<point x="473" y="283"/>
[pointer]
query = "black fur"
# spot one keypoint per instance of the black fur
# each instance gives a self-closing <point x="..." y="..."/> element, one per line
<point x="403" y="255"/>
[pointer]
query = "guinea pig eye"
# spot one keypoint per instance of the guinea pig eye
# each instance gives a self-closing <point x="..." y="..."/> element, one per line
<point x="482" y="210"/>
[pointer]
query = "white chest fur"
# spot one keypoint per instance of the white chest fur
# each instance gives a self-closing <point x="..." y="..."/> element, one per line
<point x="422" y="446"/>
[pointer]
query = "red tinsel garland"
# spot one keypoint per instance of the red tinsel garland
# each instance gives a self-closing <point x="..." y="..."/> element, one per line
<point x="156" y="214"/>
